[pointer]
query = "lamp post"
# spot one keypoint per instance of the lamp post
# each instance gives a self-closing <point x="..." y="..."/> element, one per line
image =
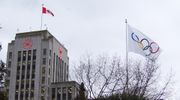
<point x="0" y="46"/>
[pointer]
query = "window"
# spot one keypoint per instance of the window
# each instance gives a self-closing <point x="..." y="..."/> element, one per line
<point x="33" y="71"/>
<point x="34" y="64"/>
<point x="26" y="96"/>
<point x="23" y="68"/>
<point x="32" y="85"/>
<point x="10" y="55"/>
<point x="21" y="96"/>
<point x="27" y="87"/>
<point x="44" y="61"/>
<point x="9" y="64"/>
<point x="22" y="76"/>
<point x="32" y="94"/>
<point x="67" y="72"/>
<point x="53" y="94"/>
<point x="49" y="71"/>
<point x="28" y="72"/>
<point x="50" y="53"/>
<point x="42" y="98"/>
<point x="58" y="93"/>
<point x="27" y="76"/>
<point x="44" y="51"/>
<point x="17" y="86"/>
<point x="32" y="81"/>
<point x="64" y="96"/>
<point x="19" y="56"/>
<point x="43" y="80"/>
<point x="28" y="65"/>
<point x="49" y="62"/>
<point x="64" y="90"/>
<point x="17" y="77"/>
<point x="43" y="70"/>
<point x="49" y="81"/>
<point x="18" y="68"/>
<point x="22" y="86"/>
<point x="69" y="93"/>
<point x="29" y="55"/>
<point x="33" y="76"/>
<point x="34" y="54"/>
<point x="16" y="96"/>
<point x="23" y="63"/>
<point x="24" y="55"/>
<point x="64" y="93"/>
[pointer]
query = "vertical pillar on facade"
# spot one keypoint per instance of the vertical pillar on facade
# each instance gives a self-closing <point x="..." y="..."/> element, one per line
<point x="66" y="93"/>
<point x="55" y="93"/>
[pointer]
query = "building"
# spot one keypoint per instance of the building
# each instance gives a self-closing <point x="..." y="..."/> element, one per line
<point x="36" y="60"/>
<point x="64" y="90"/>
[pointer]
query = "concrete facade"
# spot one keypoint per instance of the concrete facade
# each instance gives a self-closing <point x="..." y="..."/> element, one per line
<point x="35" y="60"/>
<point x="64" y="90"/>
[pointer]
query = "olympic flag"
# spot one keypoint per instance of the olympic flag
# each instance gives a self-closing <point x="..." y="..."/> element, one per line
<point x="141" y="44"/>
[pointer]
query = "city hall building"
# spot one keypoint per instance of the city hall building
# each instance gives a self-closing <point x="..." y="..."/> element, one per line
<point x="38" y="68"/>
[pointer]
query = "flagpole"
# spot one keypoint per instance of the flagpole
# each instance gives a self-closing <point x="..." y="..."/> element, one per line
<point x="41" y="17"/>
<point x="127" y="67"/>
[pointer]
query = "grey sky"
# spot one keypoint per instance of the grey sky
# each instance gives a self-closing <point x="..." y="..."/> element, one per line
<point x="97" y="26"/>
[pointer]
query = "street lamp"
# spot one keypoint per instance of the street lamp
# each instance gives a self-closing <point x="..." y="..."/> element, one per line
<point x="0" y="43"/>
<point x="0" y="46"/>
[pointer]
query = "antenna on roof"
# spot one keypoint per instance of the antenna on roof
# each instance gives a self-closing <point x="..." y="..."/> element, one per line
<point x="30" y="28"/>
<point x="0" y="27"/>
<point x="17" y="29"/>
<point x="45" y="26"/>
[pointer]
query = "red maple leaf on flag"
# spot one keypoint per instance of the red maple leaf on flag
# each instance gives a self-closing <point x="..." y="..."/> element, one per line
<point x="47" y="11"/>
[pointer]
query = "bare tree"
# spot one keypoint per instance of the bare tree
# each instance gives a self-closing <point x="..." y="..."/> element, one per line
<point x="108" y="75"/>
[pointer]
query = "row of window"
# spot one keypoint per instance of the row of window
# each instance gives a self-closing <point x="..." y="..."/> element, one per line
<point x="27" y="95"/>
<point x="64" y="93"/>
<point x="9" y="66"/>
<point x="43" y="73"/>
<point x="29" y="55"/>
<point x="25" y="78"/>
<point x="59" y="69"/>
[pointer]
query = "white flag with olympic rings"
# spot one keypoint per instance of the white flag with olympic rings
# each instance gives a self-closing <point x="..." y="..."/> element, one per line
<point x="141" y="44"/>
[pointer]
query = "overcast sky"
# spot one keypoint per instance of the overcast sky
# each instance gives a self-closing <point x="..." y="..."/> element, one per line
<point x="97" y="26"/>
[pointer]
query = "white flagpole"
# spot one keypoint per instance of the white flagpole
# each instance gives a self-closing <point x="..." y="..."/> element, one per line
<point x="41" y="16"/>
<point x="127" y="67"/>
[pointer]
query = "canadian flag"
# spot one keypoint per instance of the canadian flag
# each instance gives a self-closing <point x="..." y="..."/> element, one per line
<point x="47" y="11"/>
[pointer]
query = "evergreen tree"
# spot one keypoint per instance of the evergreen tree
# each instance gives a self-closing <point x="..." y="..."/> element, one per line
<point x="2" y="73"/>
<point x="3" y="94"/>
<point x="81" y="95"/>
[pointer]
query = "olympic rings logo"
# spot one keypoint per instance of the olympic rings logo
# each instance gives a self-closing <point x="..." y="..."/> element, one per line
<point x="147" y="46"/>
